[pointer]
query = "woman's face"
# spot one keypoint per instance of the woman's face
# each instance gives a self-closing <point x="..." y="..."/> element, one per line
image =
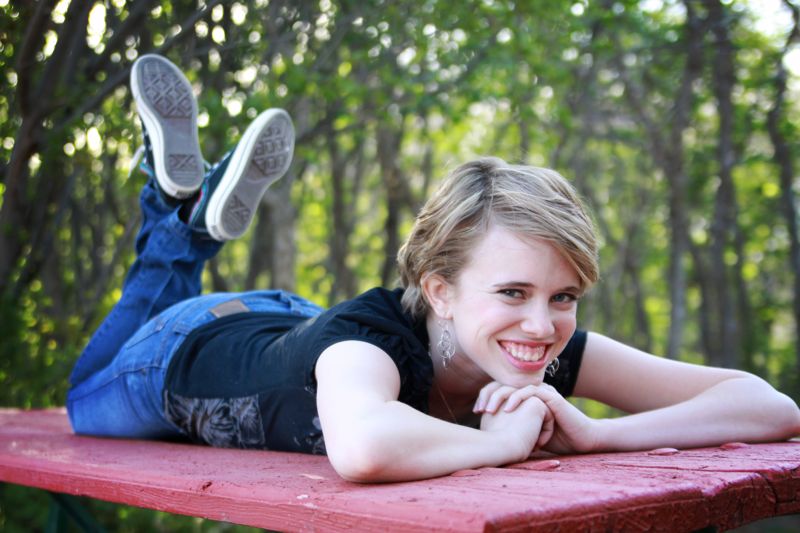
<point x="513" y="307"/>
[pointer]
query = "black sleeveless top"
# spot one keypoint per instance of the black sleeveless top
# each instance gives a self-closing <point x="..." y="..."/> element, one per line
<point x="247" y="380"/>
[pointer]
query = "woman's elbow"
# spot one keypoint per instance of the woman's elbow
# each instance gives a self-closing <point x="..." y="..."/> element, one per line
<point x="775" y="414"/>
<point x="788" y="417"/>
<point x="361" y="460"/>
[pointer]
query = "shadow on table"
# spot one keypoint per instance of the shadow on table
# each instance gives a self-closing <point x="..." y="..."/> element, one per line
<point x="778" y="524"/>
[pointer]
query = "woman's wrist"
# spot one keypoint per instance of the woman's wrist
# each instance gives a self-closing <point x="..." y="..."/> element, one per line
<point x="601" y="435"/>
<point x="514" y="442"/>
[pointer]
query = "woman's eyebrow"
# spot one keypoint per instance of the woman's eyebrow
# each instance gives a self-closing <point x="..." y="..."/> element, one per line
<point x="529" y="285"/>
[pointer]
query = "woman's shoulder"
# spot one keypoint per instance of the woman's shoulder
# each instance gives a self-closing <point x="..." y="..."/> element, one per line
<point x="376" y="304"/>
<point x="377" y="317"/>
<point x="379" y="297"/>
<point x="377" y="308"/>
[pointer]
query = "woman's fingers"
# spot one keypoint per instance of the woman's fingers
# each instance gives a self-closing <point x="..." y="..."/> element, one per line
<point x="498" y="398"/>
<point x="484" y="395"/>
<point x="519" y="396"/>
<point x="492" y="396"/>
<point x="548" y="428"/>
<point x="495" y="395"/>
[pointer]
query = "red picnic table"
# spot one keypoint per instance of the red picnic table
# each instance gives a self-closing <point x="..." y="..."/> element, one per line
<point x="661" y="490"/>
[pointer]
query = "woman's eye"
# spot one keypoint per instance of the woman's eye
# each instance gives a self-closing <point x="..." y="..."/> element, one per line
<point x="512" y="293"/>
<point x="564" y="297"/>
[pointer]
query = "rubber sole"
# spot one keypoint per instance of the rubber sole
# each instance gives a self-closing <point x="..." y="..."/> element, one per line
<point x="259" y="160"/>
<point x="168" y="110"/>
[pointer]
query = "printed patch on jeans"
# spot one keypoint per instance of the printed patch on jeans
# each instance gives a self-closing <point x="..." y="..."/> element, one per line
<point x="219" y="422"/>
<point x="231" y="307"/>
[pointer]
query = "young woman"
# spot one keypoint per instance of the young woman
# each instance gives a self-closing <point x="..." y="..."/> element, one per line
<point x="465" y="366"/>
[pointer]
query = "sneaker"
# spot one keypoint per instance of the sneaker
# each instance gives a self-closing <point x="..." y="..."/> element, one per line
<point x="168" y="110"/>
<point x="233" y="189"/>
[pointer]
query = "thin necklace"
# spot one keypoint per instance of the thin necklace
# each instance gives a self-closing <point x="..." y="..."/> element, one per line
<point x="446" y="405"/>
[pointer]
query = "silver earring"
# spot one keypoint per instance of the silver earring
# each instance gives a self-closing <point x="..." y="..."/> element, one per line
<point x="552" y="368"/>
<point x="445" y="345"/>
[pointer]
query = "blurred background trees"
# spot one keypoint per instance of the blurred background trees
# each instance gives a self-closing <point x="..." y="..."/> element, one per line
<point x="676" y="120"/>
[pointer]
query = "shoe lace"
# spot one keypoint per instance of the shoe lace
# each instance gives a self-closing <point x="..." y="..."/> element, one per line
<point x="136" y="159"/>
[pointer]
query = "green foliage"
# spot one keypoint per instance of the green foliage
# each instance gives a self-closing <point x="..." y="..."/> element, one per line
<point x="33" y="363"/>
<point x="23" y="509"/>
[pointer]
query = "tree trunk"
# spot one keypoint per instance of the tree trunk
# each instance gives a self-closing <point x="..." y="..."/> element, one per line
<point x="282" y="217"/>
<point x="668" y="153"/>
<point x="724" y="339"/>
<point x="388" y="140"/>
<point x="342" y="221"/>
<point x="13" y="234"/>
<point x="785" y="162"/>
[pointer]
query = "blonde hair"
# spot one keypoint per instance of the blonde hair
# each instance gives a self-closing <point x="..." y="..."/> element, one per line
<point x="533" y="202"/>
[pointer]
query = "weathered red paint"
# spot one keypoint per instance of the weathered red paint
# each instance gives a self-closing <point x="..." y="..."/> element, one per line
<point x="679" y="491"/>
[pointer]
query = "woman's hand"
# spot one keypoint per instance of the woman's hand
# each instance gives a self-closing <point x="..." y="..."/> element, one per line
<point x="529" y="423"/>
<point x="497" y="400"/>
<point x="574" y="431"/>
<point x="571" y="431"/>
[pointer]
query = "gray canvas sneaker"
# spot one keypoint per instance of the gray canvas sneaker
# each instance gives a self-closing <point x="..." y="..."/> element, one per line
<point x="232" y="190"/>
<point x="168" y="110"/>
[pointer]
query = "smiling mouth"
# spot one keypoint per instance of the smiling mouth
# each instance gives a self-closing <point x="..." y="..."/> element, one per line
<point x="523" y="352"/>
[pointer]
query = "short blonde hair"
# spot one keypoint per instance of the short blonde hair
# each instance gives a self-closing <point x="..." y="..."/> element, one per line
<point x="532" y="202"/>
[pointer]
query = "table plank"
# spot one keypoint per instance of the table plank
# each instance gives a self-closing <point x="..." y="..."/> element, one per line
<point x="680" y="491"/>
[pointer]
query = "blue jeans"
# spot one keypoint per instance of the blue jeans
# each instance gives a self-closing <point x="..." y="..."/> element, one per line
<point x="117" y="383"/>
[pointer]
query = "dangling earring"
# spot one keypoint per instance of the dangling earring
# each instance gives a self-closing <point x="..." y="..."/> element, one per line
<point x="445" y="345"/>
<point x="552" y="368"/>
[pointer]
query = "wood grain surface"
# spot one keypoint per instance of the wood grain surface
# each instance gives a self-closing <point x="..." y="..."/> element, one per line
<point x="660" y="490"/>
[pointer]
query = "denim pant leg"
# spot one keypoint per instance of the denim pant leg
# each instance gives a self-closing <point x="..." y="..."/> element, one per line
<point x="167" y="269"/>
<point x="125" y="399"/>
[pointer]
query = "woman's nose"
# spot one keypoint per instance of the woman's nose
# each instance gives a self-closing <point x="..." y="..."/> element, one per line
<point x="537" y="320"/>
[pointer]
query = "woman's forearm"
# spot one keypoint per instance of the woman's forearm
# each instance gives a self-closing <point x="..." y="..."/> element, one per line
<point x="398" y="443"/>
<point x="740" y="409"/>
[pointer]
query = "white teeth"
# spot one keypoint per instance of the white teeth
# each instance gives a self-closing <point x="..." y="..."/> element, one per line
<point x="525" y="352"/>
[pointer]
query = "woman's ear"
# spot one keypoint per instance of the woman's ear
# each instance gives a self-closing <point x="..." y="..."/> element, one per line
<point x="438" y="293"/>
